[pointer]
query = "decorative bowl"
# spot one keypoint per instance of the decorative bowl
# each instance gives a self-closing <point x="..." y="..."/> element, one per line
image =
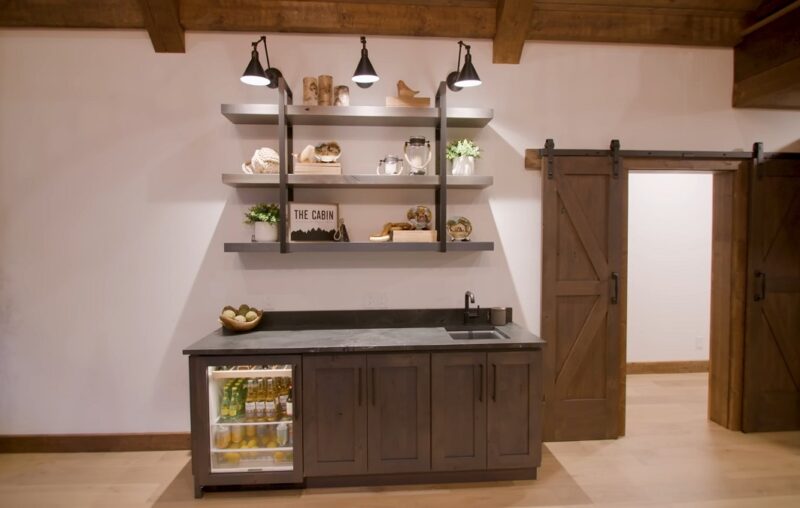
<point x="459" y="228"/>
<point x="238" y="326"/>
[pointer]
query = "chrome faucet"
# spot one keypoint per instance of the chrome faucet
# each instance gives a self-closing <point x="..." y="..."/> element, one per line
<point x="469" y="297"/>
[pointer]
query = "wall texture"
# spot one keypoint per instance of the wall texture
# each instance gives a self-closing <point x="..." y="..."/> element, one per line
<point x="112" y="214"/>
<point x="669" y="266"/>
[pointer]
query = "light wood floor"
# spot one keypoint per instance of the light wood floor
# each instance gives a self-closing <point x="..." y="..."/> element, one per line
<point x="671" y="457"/>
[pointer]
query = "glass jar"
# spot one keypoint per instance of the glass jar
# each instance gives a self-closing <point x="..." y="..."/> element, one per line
<point x="418" y="154"/>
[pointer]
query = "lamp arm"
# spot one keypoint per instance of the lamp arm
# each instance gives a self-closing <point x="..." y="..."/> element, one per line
<point x="266" y="51"/>
<point x="458" y="65"/>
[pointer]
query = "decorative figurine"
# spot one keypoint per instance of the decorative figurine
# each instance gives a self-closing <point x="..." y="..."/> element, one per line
<point x="459" y="229"/>
<point x="310" y="91"/>
<point x="341" y="96"/>
<point x="406" y="97"/>
<point x="325" y="90"/>
<point x="419" y="216"/>
<point x="264" y="161"/>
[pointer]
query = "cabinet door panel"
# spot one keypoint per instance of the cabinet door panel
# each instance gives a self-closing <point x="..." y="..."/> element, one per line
<point x="399" y="413"/>
<point x="458" y="405"/>
<point x="335" y="415"/>
<point x="514" y="409"/>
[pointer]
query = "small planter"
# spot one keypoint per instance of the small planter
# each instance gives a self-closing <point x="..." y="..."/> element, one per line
<point x="464" y="166"/>
<point x="265" y="232"/>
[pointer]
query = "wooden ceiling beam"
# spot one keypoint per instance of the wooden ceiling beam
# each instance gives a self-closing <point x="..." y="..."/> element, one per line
<point x="162" y="20"/>
<point x="427" y="20"/>
<point x="640" y="25"/>
<point x="71" y="14"/>
<point x="513" y="21"/>
<point x="766" y="65"/>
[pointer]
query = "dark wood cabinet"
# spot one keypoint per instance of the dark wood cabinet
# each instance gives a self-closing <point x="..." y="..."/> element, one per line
<point x="335" y="411"/>
<point x="458" y="407"/>
<point x="399" y="421"/>
<point x="514" y="409"/>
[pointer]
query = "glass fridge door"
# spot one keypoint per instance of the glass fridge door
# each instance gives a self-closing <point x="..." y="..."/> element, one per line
<point x="251" y="418"/>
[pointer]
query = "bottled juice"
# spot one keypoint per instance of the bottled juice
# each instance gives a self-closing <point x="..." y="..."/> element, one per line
<point x="286" y="401"/>
<point x="224" y="406"/>
<point x="270" y="410"/>
<point x="250" y="403"/>
<point x="261" y="401"/>
<point x="234" y="405"/>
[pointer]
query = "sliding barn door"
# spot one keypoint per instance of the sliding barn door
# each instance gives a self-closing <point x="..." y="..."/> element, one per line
<point x="583" y="276"/>
<point x="772" y="340"/>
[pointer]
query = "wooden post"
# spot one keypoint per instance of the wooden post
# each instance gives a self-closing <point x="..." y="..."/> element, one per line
<point x="310" y="91"/>
<point x="325" y="90"/>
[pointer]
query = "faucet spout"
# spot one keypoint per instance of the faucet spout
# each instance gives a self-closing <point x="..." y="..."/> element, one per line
<point x="469" y="297"/>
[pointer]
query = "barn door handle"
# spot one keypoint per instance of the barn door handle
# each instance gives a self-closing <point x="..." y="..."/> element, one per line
<point x="761" y="284"/>
<point x="360" y="387"/>
<point x="372" y="375"/>
<point x="494" y="382"/>
<point x="614" y="287"/>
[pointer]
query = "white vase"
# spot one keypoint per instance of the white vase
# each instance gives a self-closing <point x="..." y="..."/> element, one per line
<point x="265" y="232"/>
<point x="464" y="166"/>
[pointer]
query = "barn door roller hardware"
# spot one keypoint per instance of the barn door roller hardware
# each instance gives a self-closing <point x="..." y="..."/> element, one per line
<point x="549" y="146"/>
<point x="615" y="158"/>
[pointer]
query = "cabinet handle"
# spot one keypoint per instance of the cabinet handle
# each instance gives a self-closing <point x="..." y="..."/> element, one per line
<point x="360" y="388"/>
<point x="494" y="382"/>
<point x="372" y="375"/>
<point x="480" y="383"/>
<point x="615" y="288"/>
<point x="761" y="292"/>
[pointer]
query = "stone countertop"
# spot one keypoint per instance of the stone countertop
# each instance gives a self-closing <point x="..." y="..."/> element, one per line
<point x="355" y="340"/>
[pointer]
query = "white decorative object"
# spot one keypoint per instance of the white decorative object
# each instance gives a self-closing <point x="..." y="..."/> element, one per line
<point x="464" y="166"/>
<point x="265" y="232"/>
<point x="265" y="161"/>
<point x="308" y="154"/>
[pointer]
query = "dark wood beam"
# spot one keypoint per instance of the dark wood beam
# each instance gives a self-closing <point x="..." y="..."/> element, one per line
<point x="163" y="24"/>
<point x="429" y="20"/>
<point x="71" y="14"/>
<point x="767" y="65"/>
<point x="598" y="22"/>
<point x="513" y="20"/>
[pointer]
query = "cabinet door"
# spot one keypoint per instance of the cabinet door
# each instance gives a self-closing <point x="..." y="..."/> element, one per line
<point x="458" y="410"/>
<point x="335" y="412"/>
<point x="399" y="413"/>
<point x="514" y="409"/>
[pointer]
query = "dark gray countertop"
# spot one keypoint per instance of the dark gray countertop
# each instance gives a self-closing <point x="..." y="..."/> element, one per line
<point x="355" y="340"/>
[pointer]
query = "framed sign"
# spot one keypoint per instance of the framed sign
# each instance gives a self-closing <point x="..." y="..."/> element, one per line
<point x="312" y="222"/>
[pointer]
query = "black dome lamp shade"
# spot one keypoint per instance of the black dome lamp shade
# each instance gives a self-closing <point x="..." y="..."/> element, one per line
<point x="466" y="76"/>
<point x="256" y="75"/>
<point x="365" y="74"/>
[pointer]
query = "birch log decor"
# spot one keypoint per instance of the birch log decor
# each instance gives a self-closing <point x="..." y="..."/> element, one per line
<point x="325" y="90"/>
<point x="341" y="96"/>
<point x="310" y="91"/>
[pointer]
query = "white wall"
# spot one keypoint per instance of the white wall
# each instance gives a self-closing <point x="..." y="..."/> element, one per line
<point x="113" y="214"/>
<point x="669" y="266"/>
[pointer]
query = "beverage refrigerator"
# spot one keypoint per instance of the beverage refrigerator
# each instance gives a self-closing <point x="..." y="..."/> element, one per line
<point x="248" y="410"/>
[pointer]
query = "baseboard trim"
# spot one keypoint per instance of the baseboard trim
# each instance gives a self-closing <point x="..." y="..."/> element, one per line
<point x="72" y="443"/>
<point x="667" y="367"/>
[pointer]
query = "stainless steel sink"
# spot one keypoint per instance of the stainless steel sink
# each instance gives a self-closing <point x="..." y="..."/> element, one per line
<point x="476" y="333"/>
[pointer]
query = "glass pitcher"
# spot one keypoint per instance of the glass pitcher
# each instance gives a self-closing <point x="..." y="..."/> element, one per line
<point x="418" y="154"/>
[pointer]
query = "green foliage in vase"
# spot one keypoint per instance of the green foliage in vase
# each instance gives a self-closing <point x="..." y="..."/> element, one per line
<point x="263" y="212"/>
<point x="462" y="148"/>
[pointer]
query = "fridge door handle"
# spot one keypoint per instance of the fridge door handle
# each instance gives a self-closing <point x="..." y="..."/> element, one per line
<point x="295" y="403"/>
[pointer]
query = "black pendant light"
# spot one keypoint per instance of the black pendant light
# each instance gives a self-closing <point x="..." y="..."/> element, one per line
<point x="365" y="74"/>
<point x="256" y="75"/>
<point x="466" y="76"/>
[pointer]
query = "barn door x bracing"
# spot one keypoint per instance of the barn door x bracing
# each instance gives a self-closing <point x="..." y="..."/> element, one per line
<point x="583" y="275"/>
<point x="772" y="340"/>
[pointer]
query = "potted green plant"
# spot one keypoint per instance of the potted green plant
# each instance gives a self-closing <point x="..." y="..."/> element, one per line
<point x="463" y="154"/>
<point x="264" y="217"/>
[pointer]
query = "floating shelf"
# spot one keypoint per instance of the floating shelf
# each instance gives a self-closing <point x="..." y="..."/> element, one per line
<point x="368" y="116"/>
<point x="357" y="247"/>
<point x="359" y="181"/>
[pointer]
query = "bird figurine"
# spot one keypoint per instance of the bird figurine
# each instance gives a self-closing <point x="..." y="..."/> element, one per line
<point x="404" y="90"/>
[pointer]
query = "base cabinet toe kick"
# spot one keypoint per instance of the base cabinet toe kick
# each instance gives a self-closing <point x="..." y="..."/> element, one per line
<point x="357" y="419"/>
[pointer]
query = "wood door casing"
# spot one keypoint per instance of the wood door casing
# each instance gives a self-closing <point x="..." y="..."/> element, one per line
<point x="772" y="341"/>
<point x="399" y="414"/>
<point x="458" y="411"/>
<point x="514" y="409"/>
<point x="584" y="225"/>
<point x="335" y="413"/>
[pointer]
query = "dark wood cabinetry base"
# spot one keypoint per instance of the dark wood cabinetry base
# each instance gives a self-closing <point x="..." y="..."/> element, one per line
<point x="418" y="478"/>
